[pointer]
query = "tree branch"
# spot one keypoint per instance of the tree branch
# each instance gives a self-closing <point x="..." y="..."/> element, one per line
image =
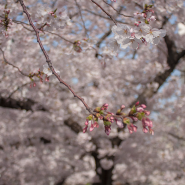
<point x="48" y="59"/>
<point x="104" y="11"/>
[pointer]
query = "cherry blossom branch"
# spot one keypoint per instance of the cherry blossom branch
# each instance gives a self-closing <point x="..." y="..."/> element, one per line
<point x="104" y="11"/>
<point x="48" y="59"/>
<point x="117" y="10"/>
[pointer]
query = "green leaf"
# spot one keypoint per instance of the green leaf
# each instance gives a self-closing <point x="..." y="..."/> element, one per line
<point x="133" y="110"/>
<point x="140" y="115"/>
<point x="126" y="121"/>
<point x="107" y="123"/>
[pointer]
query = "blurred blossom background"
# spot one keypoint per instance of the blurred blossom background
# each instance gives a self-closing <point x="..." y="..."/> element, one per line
<point x="41" y="123"/>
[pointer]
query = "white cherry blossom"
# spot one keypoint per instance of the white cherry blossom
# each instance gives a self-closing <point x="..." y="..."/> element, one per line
<point x="47" y="70"/>
<point x="134" y="43"/>
<point x="141" y="30"/>
<point x="154" y="32"/>
<point x="157" y="39"/>
<point x="122" y="30"/>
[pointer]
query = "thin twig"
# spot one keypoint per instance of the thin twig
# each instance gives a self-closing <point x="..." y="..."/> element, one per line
<point x="60" y="37"/>
<point x="6" y="61"/>
<point x="10" y="95"/>
<point x="85" y="29"/>
<point x="104" y="11"/>
<point x="48" y="59"/>
<point x="117" y="10"/>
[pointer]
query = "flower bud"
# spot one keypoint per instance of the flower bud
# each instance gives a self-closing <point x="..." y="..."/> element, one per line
<point x="97" y="109"/>
<point x="119" y="123"/>
<point x="147" y="112"/>
<point x="137" y="103"/>
<point x="145" y="130"/>
<point x="151" y="131"/>
<point x="87" y="122"/>
<point x="134" y="118"/>
<point x="91" y="128"/>
<point x="122" y="107"/>
<point x="139" y="109"/>
<point x="85" y="129"/>
<point x="105" y="105"/>
<point x="143" y="106"/>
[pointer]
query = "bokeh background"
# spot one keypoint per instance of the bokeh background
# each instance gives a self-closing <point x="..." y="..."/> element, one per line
<point x="41" y="138"/>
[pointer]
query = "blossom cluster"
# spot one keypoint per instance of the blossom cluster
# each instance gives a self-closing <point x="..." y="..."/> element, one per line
<point x="136" y="113"/>
<point x="5" y="23"/>
<point x="51" y="19"/>
<point x="141" y="33"/>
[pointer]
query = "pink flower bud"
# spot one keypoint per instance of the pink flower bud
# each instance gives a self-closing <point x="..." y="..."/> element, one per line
<point x="134" y="128"/>
<point x="150" y="124"/>
<point x="130" y="129"/>
<point x="96" y="124"/>
<point x="136" y="24"/>
<point x="107" y="129"/>
<point x="134" y="118"/>
<point x="85" y="129"/>
<point x="144" y="15"/>
<point x="143" y="106"/>
<point x="91" y="128"/>
<point x="147" y="112"/>
<point x="151" y="131"/>
<point x="119" y="123"/>
<point x="145" y="130"/>
<point x="139" y="109"/>
<point x="137" y="103"/>
<point x="34" y="84"/>
<point x="105" y="105"/>
<point x="86" y="123"/>
<point x="122" y="107"/>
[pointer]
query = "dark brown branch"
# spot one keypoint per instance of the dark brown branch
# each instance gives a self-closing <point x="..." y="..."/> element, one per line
<point x="176" y="136"/>
<point x="173" y="59"/>
<point x="48" y="59"/>
<point x="26" y="104"/>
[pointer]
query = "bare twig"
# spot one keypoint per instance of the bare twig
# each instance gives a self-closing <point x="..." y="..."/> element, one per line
<point x="104" y="11"/>
<point x="85" y="29"/>
<point x="60" y="37"/>
<point x="6" y="61"/>
<point x="99" y="15"/>
<point x="117" y="10"/>
<point x="11" y="94"/>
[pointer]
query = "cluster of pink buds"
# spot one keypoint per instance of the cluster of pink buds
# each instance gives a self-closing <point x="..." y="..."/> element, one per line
<point x="93" y="123"/>
<point x="5" y="23"/>
<point x="101" y="114"/>
<point x="76" y="46"/>
<point x="39" y="75"/>
<point x="136" y="113"/>
<point x="146" y="15"/>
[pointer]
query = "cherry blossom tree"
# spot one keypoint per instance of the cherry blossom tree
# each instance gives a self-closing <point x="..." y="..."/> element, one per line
<point x="85" y="84"/>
